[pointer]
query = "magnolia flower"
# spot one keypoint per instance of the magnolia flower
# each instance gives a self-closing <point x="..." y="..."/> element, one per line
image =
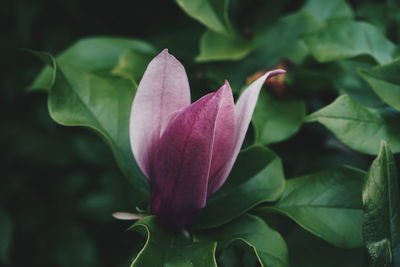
<point x="186" y="150"/>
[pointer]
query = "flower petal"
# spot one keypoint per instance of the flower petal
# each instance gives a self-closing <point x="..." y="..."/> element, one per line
<point x="244" y="109"/>
<point x="127" y="216"/>
<point x="163" y="90"/>
<point x="183" y="157"/>
<point x="223" y="140"/>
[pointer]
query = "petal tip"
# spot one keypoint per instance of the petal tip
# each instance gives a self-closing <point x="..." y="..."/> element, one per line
<point x="226" y="84"/>
<point x="164" y="54"/>
<point x="276" y="72"/>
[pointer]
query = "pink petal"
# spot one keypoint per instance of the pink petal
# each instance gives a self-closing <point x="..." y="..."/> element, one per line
<point x="181" y="169"/>
<point x="223" y="140"/>
<point x="163" y="90"/>
<point x="244" y="109"/>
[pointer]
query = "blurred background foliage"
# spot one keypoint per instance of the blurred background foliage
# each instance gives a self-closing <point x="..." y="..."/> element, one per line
<point x="59" y="185"/>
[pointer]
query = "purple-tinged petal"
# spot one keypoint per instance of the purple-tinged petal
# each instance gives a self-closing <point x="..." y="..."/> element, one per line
<point x="244" y="109"/>
<point x="223" y="140"/>
<point x="163" y="90"/>
<point x="179" y="176"/>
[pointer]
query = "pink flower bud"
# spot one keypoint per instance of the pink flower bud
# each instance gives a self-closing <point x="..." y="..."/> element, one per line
<point x="186" y="150"/>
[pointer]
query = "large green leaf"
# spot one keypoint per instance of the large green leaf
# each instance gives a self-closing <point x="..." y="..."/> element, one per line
<point x="100" y="103"/>
<point x="252" y="233"/>
<point x="215" y="47"/>
<point x="344" y="75"/>
<point x="348" y="39"/>
<point x="382" y="14"/>
<point x="5" y="236"/>
<point x="359" y="127"/>
<point x="165" y="249"/>
<point x="257" y="177"/>
<point x="329" y="10"/>
<point x="132" y="65"/>
<point x="276" y="119"/>
<point x="288" y="32"/>
<point x="94" y="54"/>
<point x="211" y="13"/>
<point x="328" y="204"/>
<point x="220" y="41"/>
<point x="385" y="81"/>
<point x="381" y="227"/>
<point x="340" y="75"/>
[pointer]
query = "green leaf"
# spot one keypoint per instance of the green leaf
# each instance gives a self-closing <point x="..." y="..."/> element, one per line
<point x="211" y="13"/>
<point x="385" y="81"/>
<point x="276" y="119"/>
<point x="288" y="31"/>
<point x="251" y="232"/>
<point x="382" y="15"/>
<point x="94" y="54"/>
<point x="344" y="75"/>
<point x="381" y="227"/>
<point x="328" y="10"/>
<point x="100" y="103"/>
<point x="348" y="39"/>
<point x="327" y="204"/>
<point x="214" y="47"/>
<point x="165" y="249"/>
<point x="132" y="65"/>
<point x="359" y="127"/>
<point x="338" y="76"/>
<point x="5" y="236"/>
<point x="257" y="177"/>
